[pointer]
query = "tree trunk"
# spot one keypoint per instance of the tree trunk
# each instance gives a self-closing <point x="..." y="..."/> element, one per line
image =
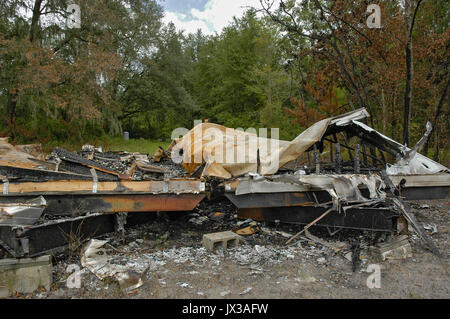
<point x="35" y="20"/>
<point x="11" y="112"/>
<point x="436" y="116"/>
<point x="14" y="96"/>
<point x="408" y="93"/>
<point x="410" y="18"/>
<point x="409" y="73"/>
<point x="383" y="101"/>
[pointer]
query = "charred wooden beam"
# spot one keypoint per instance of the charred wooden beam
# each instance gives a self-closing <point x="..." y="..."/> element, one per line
<point x="405" y="210"/>
<point x="316" y="160"/>
<point x="357" y="165"/>
<point x="338" y="158"/>
<point x="374" y="219"/>
<point x="18" y="174"/>
<point x="73" y="158"/>
<point x="348" y="147"/>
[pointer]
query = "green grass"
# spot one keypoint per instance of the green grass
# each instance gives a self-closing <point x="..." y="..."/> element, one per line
<point x="133" y="145"/>
<point x="112" y="144"/>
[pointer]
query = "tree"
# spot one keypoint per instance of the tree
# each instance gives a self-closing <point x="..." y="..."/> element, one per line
<point x="73" y="76"/>
<point x="372" y="68"/>
<point x="411" y="9"/>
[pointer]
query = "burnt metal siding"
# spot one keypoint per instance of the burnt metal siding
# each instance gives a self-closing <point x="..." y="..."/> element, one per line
<point x="277" y="199"/>
<point x="418" y="193"/>
<point x="374" y="219"/>
<point x="75" y="205"/>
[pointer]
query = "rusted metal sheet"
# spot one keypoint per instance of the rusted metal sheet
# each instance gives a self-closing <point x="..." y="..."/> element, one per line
<point x="72" y="198"/>
<point x="142" y="203"/>
<point x="75" y="205"/>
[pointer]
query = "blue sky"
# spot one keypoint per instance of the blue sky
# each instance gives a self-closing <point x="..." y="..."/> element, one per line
<point x="208" y="15"/>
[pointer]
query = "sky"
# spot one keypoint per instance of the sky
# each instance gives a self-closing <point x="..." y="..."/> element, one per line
<point x="208" y="15"/>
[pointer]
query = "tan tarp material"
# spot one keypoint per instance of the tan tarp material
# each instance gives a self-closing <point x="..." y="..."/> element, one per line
<point x="224" y="152"/>
<point x="227" y="153"/>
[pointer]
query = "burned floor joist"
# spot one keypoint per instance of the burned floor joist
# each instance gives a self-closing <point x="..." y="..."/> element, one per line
<point x="18" y="174"/>
<point x="79" y="164"/>
<point x="59" y="235"/>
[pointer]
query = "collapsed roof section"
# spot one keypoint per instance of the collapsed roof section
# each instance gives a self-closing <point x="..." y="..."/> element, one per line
<point x="222" y="152"/>
<point x="24" y="156"/>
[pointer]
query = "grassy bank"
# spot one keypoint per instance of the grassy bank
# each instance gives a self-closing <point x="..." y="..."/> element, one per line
<point x="112" y="144"/>
<point x="133" y="145"/>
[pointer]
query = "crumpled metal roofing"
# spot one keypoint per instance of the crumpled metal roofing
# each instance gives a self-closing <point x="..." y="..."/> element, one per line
<point x="217" y="149"/>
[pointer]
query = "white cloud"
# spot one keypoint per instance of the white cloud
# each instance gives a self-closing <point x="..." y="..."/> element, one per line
<point x="216" y="15"/>
<point x="182" y="22"/>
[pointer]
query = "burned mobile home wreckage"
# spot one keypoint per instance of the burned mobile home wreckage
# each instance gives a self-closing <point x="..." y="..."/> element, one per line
<point x="335" y="174"/>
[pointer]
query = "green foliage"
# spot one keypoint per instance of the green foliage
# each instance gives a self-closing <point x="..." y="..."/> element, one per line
<point x="132" y="145"/>
<point x="123" y="70"/>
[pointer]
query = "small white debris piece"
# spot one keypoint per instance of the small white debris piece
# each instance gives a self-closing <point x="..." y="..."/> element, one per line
<point x="88" y="148"/>
<point x="348" y="256"/>
<point x="96" y="260"/>
<point x="242" y="222"/>
<point x="245" y="291"/>
<point x="431" y="227"/>
<point x="260" y="249"/>
<point x="321" y="260"/>
<point x="198" y="220"/>
<point x="276" y="232"/>
<point x="129" y="280"/>
<point x="336" y="246"/>
<point x="162" y="282"/>
<point x="310" y="279"/>
<point x="225" y="293"/>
